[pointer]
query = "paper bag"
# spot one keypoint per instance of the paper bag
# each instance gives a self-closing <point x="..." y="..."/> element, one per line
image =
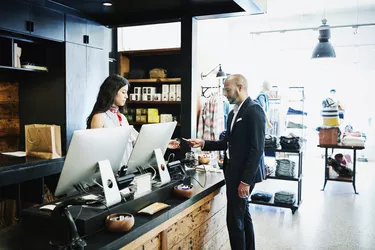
<point x="43" y="141"/>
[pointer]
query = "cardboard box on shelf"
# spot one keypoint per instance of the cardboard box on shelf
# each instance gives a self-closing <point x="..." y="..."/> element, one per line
<point x="153" y="119"/>
<point x="143" y="118"/>
<point x="137" y="90"/>
<point x="157" y="97"/>
<point x="172" y="88"/>
<point x="172" y="97"/>
<point x="165" y="97"/>
<point x="152" y="112"/>
<point x="165" y="89"/>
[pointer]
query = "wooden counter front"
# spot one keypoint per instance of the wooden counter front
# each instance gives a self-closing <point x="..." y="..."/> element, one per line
<point x="200" y="226"/>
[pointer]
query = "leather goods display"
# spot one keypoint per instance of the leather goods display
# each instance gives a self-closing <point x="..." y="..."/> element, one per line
<point x="290" y="142"/>
<point x="270" y="142"/>
<point x="339" y="166"/>
<point x="154" y="208"/>
<point x="158" y="73"/>
<point x="261" y="196"/>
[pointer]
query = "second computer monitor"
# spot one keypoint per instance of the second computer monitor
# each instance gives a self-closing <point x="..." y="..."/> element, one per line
<point x="151" y="137"/>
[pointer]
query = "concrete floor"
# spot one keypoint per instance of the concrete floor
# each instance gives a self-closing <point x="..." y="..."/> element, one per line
<point x="332" y="219"/>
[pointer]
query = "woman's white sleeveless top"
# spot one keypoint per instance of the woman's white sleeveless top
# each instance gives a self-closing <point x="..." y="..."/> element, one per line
<point x="111" y="121"/>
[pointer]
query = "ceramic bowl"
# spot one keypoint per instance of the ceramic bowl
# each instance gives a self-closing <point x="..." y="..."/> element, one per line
<point x="119" y="222"/>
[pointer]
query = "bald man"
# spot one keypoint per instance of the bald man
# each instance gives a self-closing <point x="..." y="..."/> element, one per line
<point x="243" y="166"/>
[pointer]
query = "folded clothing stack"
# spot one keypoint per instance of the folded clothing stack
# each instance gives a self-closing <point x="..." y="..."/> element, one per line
<point x="350" y="140"/>
<point x="285" y="197"/>
<point x="285" y="167"/>
<point x="295" y="125"/>
<point x="292" y="111"/>
<point x="261" y="196"/>
<point x="270" y="142"/>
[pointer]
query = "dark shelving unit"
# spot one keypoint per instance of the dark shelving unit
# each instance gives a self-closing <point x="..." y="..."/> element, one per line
<point x="297" y="179"/>
<point x="21" y="69"/>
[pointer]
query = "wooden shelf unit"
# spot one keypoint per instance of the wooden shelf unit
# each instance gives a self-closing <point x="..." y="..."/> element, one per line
<point x="153" y="102"/>
<point x="168" y="59"/>
<point x="21" y="69"/>
<point x="159" y="80"/>
<point x="151" y="51"/>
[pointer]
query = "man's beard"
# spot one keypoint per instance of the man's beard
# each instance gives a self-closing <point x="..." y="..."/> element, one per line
<point x="232" y="100"/>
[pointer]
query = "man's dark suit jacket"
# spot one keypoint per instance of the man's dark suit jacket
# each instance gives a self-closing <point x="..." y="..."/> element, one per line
<point x="246" y="145"/>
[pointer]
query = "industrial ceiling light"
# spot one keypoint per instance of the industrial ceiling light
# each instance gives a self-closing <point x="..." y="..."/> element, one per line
<point x="107" y="3"/>
<point x="324" y="48"/>
<point x="219" y="74"/>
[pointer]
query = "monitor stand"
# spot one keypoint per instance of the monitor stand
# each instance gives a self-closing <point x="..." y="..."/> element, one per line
<point x="111" y="191"/>
<point x="162" y="167"/>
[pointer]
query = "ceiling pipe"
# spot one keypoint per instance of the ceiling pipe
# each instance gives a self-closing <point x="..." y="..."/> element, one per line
<point x="310" y="28"/>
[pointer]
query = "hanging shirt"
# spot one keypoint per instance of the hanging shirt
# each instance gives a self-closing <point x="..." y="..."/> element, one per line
<point x="211" y="119"/>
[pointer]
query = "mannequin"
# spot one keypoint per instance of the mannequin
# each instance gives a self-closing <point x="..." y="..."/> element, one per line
<point x="330" y="111"/>
<point x="262" y="99"/>
<point x="339" y="105"/>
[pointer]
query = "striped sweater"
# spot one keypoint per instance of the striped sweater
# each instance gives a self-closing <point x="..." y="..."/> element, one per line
<point x="330" y="113"/>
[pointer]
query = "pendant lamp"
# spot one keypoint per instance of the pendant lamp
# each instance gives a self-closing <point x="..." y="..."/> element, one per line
<point x="324" y="48"/>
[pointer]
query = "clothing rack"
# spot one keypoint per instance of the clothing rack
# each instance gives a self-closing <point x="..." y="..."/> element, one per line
<point x="204" y="90"/>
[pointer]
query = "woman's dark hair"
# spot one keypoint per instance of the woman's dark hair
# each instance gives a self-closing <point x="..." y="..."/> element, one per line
<point x="106" y="95"/>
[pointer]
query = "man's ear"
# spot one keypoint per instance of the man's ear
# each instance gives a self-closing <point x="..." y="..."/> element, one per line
<point x="240" y="87"/>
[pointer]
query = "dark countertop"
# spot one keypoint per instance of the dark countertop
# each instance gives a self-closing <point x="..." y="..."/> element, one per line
<point x="13" y="238"/>
<point x="15" y="170"/>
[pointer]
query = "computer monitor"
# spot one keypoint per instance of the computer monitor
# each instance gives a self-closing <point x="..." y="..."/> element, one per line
<point x="86" y="149"/>
<point x="151" y="137"/>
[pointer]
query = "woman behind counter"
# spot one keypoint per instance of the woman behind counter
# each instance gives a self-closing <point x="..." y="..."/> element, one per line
<point x="108" y="109"/>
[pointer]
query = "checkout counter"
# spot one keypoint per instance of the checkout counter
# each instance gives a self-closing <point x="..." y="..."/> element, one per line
<point x="187" y="224"/>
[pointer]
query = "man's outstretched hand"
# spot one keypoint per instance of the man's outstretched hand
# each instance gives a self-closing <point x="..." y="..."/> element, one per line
<point x="195" y="143"/>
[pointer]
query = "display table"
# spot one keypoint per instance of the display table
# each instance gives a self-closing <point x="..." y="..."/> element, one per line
<point x="327" y="177"/>
<point x="194" y="223"/>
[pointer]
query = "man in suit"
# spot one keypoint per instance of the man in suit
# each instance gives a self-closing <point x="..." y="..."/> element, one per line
<point x="243" y="166"/>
